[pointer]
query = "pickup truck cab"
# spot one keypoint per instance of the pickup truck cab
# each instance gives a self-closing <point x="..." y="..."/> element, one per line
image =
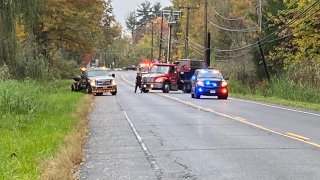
<point x="100" y="81"/>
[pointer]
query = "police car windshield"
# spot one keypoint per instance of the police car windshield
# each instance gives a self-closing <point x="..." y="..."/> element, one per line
<point x="92" y="73"/>
<point x="209" y="74"/>
<point x="160" y="69"/>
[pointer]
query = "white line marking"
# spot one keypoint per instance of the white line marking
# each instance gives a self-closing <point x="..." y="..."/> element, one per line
<point x="283" y="108"/>
<point x="145" y="149"/>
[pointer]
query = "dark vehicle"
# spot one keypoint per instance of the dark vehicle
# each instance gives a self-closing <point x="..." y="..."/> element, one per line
<point x="132" y="67"/>
<point x="209" y="82"/>
<point x="171" y="77"/>
<point x="81" y="82"/>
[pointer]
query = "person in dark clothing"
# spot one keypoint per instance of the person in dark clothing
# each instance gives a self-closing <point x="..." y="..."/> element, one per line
<point x="138" y="82"/>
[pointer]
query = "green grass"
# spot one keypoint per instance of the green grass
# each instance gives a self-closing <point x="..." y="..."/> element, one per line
<point x="280" y="91"/>
<point x="34" y="119"/>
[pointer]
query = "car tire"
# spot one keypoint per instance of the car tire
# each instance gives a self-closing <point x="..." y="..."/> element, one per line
<point x="98" y="94"/>
<point x="166" y="87"/>
<point x="224" y="97"/>
<point x="114" y="93"/>
<point x="192" y="95"/>
<point x="145" y="90"/>
<point x="197" y="96"/>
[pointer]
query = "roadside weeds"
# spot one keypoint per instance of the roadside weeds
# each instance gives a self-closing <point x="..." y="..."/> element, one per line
<point x="66" y="163"/>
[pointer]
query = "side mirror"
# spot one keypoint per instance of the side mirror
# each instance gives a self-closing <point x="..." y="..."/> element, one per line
<point x="113" y="75"/>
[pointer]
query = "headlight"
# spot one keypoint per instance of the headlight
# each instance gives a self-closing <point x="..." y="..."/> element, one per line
<point x="93" y="82"/>
<point x="224" y="84"/>
<point x="113" y="82"/>
<point x="200" y="83"/>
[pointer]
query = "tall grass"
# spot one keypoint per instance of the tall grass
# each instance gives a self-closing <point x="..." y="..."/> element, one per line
<point x="282" y="89"/>
<point x="34" y="118"/>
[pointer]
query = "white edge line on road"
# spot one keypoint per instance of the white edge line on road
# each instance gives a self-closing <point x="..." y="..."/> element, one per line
<point x="283" y="108"/>
<point x="242" y="120"/>
<point x="145" y="149"/>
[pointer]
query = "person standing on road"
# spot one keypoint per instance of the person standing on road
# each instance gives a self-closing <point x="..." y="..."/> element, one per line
<point x="138" y="82"/>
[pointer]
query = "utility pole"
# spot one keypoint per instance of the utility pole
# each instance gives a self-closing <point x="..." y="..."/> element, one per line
<point x="160" y="39"/>
<point x="260" y="15"/>
<point x="172" y="17"/>
<point x="263" y="60"/>
<point x="205" y="31"/>
<point x="208" y="52"/>
<point x="152" y="40"/>
<point x="186" y="44"/>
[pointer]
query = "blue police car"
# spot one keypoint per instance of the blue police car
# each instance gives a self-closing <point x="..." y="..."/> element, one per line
<point x="209" y="82"/>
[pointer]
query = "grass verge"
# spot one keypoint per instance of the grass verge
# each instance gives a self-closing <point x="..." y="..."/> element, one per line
<point x="66" y="163"/>
<point x="281" y="92"/>
<point x="34" y="121"/>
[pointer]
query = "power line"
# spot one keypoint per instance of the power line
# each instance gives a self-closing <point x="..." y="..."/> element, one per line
<point x="200" y="50"/>
<point x="267" y="42"/>
<point x="195" y="49"/>
<point x="292" y="21"/>
<point x="286" y="25"/>
<point x="254" y="29"/>
<point x="194" y="43"/>
<point x="223" y="17"/>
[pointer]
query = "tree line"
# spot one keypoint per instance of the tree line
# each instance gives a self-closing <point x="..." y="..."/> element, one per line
<point x="46" y="38"/>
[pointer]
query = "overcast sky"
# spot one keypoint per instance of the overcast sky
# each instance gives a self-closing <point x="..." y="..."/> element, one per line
<point x="123" y="7"/>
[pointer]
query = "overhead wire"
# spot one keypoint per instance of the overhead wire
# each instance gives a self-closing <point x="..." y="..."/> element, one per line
<point x="268" y="36"/>
<point x="195" y="49"/>
<point x="189" y="40"/>
<point x="292" y="21"/>
<point x="267" y="42"/>
<point x="253" y="29"/>
<point x="223" y="17"/>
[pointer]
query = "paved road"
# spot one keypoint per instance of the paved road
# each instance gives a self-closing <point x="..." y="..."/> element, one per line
<point x="171" y="136"/>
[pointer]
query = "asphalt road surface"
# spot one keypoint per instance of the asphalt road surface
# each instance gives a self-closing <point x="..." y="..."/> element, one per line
<point x="171" y="136"/>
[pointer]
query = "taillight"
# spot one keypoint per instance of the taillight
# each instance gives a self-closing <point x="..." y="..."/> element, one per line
<point x="224" y="91"/>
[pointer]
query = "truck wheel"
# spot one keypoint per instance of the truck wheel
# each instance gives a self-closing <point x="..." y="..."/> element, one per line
<point x="166" y="87"/>
<point x="145" y="90"/>
<point x="114" y="93"/>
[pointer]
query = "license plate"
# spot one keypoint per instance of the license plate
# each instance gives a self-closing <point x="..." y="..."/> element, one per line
<point x="212" y="91"/>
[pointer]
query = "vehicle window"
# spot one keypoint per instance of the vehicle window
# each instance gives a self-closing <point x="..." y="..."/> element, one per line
<point x="93" y="73"/>
<point x="183" y="62"/>
<point x="159" y="69"/>
<point x="209" y="74"/>
<point x="197" y="63"/>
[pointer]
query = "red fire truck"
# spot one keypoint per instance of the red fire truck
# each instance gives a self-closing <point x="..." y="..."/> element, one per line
<point x="171" y="76"/>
